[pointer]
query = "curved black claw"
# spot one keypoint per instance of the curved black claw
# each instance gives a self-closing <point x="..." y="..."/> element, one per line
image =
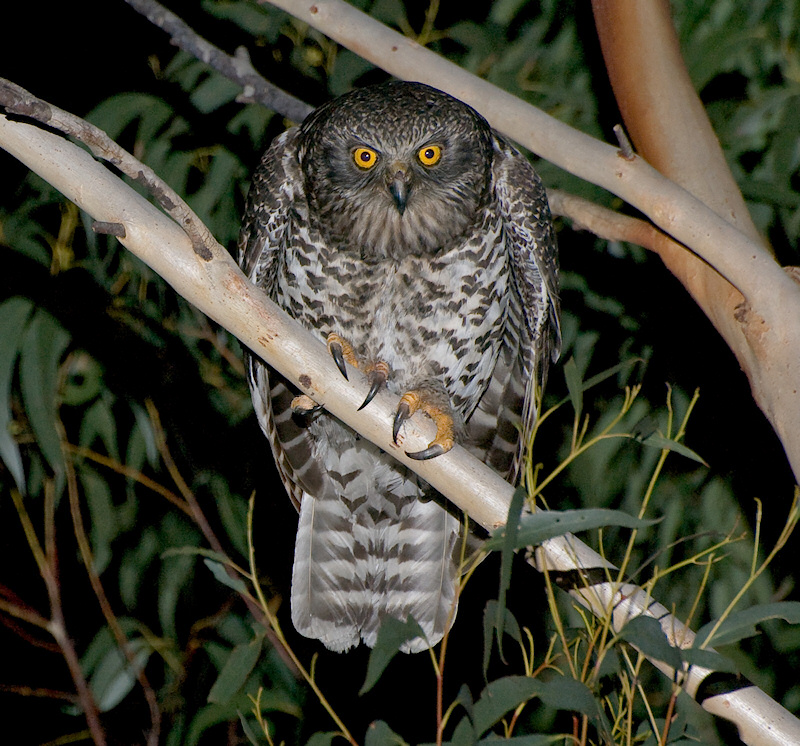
<point x="431" y="451"/>
<point x="401" y="415"/>
<point x="338" y="358"/>
<point x="377" y="377"/>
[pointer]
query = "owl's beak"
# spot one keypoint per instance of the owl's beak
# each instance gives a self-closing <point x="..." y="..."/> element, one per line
<point x="399" y="188"/>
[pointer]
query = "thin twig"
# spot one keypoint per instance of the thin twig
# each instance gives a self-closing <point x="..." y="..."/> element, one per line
<point x="17" y="100"/>
<point x="191" y="501"/>
<point x="105" y="606"/>
<point x="625" y="148"/>
<point x="57" y="627"/>
<point x="237" y="68"/>
<point x="131" y="473"/>
<point x="602" y="221"/>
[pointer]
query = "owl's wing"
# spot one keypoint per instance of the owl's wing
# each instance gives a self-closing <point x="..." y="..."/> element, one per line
<point x="275" y="193"/>
<point x="532" y="337"/>
<point x="276" y="186"/>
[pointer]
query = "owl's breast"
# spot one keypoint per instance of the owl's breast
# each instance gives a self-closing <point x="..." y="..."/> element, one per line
<point x="438" y="317"/>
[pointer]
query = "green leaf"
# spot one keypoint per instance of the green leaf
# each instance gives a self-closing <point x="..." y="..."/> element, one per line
<point x="99" y="422"/>
<point x="322" y="739"/>
<point x="656" y="440"/>
<point x="502" y="696"/>
<point x="232" y="512"/>
<point x="114" y="678"/>
<point x="545" y="524"/>
<point x="710" y="659"/>
<point x="742" y="624"/>
<point x="220" y="573"/>
<point x="391" y="637"/>
<point x="574" y="386"/>
<point x="380" y="734"/>
<point x="646" y="634"/>
<point x="237" y="668"/>
<point x="565" y="693"/>
<point x="43" y="345"/>
<point x="512" y="528"/>
<point x="14" y="314"/>
<point x="104" y="524"/>
<point x="509" y="627"/>
<point x="589" y="383"/>
<point x="248" y="730"/>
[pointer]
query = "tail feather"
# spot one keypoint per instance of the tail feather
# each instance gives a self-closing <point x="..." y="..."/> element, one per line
<point x="358" y="562"/>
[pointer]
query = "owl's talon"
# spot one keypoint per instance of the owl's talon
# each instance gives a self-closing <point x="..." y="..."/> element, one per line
<point x="432" y="451"/>
<point x="336" y="351"/>
<point x="341" y="351"/>
<point x="400" y="416"/>
<point x="377" y="377"/>
<point x="410" y="402"/>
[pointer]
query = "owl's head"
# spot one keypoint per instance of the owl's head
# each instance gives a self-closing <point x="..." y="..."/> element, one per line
<point x="395" y="169"/>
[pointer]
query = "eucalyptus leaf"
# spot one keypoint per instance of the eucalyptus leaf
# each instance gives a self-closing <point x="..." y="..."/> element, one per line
<point x="491" y="631"/>
<point x="537" y="527"/>
<point x="43" y="345"/>
<point x="645" y="633"/>
<point x="392" y="635"/>
<point x="741" y="624"/>
<point x="237" y="668"/>
<point x="509" y="544"/>
<point x="220" y="573"/>
<point x="14" y="314"/>
<point x="656" y="440"/>
<point x="502" y="696"/>
<point x="710" y="659"/>
<point x="574" y="386"/>
<point x="247" y="729"/>
<point x="114" y="677"/>
<point x="322" y="739"/>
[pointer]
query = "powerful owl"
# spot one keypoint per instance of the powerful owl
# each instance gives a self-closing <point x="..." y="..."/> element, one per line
<point x="418" y="244"/>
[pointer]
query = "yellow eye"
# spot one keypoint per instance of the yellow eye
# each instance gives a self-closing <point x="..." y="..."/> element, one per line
<point x="365" y="158"/>
<point x="429" y="155"/>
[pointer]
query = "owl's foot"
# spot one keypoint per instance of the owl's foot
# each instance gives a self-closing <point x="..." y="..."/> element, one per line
<point x="304" y="405"/>
<point x="413" y="401"/>
<point x="342" y="351"/>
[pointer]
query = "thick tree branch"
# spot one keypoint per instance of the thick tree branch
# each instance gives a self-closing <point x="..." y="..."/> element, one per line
<point x="603" y="222"/>
<point x="218" y="288"/>
<point x="670" y="128"/>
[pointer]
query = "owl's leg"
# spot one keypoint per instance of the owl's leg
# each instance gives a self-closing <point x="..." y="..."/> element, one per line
<point x="342" y="351"/>
<point x="439" y="412"/>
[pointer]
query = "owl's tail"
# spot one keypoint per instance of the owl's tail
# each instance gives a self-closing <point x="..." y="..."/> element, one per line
<point x="358" y="562"/>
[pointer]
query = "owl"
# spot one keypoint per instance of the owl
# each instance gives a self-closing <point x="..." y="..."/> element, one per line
<point x="418" y="244"/>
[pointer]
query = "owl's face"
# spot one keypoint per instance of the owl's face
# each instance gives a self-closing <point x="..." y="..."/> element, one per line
<point x="396" y="169"/>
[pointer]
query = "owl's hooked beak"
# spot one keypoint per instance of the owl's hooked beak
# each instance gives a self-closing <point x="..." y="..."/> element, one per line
<point x="399" y="187"/>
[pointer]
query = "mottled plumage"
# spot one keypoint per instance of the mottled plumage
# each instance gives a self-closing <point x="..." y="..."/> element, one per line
<point x="397" y="220"/>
